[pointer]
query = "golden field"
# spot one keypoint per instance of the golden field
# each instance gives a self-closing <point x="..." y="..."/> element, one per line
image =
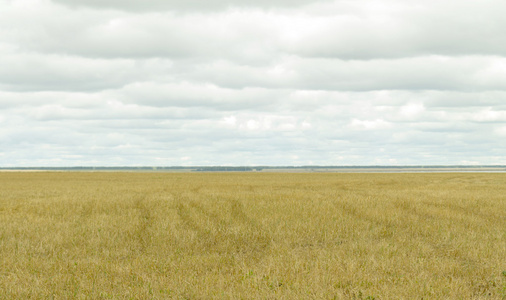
<point x="252" y="236"/>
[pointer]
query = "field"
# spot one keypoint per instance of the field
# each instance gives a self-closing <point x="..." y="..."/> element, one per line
<point x="252" y="235"/>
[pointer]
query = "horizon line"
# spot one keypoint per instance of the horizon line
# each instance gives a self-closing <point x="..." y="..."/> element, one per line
<point x="255" y="166"/>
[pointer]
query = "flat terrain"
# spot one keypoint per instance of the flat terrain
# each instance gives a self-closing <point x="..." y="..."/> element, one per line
<point x="252" y="235"/>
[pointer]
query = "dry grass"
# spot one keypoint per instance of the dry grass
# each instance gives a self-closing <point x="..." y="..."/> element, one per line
<point x="252" y="235"/>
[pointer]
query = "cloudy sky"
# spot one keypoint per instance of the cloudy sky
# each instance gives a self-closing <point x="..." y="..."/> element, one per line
<point x="252" y="82"/>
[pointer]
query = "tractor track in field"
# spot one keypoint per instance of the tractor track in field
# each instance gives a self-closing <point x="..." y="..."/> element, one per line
<point x="228" y="233"/>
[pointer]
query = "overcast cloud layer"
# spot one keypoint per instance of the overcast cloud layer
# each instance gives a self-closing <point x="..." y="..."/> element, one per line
<point x="278" y="82"/>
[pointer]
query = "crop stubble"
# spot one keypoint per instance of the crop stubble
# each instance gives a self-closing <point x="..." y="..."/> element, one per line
<point x="252" y="235"/>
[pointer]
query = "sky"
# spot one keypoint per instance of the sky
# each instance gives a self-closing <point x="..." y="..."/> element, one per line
<point x="252" y="82"/>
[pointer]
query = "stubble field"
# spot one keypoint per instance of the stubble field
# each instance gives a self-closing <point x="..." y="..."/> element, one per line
<point x="252" y="236"/>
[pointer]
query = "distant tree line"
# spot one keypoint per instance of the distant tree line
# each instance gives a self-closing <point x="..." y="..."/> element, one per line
<point x="244" y="168"/>
<point x="227" y="169"/>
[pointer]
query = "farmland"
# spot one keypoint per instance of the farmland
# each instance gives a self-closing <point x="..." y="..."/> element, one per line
<point x="252" y="235"/>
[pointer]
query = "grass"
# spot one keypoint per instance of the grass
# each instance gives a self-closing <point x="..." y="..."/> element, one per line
<point x="252" y="236"/>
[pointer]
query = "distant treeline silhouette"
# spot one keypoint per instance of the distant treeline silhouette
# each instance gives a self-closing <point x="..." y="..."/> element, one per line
<point x="247" y="168"/>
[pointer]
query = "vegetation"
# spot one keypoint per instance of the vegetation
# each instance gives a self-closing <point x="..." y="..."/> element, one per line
<point x="252" y="235"/>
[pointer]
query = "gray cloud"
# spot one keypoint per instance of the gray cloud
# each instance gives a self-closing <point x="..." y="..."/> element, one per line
<point x="28" y="72"/>
<point x="389" y="29"/>
<point x="185" y="5"/>
<point x="186" y="94"/>
<point x="419" y="73"/>
<point x="338" y="29"/>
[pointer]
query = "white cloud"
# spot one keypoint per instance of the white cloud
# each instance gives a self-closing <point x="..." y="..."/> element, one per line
<point x="501" y="131"/>
<point x="369" y="124"/>
<point x="411" y="110"/>
<point x="489" y="115"/>
<point x="231" y="120"/>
